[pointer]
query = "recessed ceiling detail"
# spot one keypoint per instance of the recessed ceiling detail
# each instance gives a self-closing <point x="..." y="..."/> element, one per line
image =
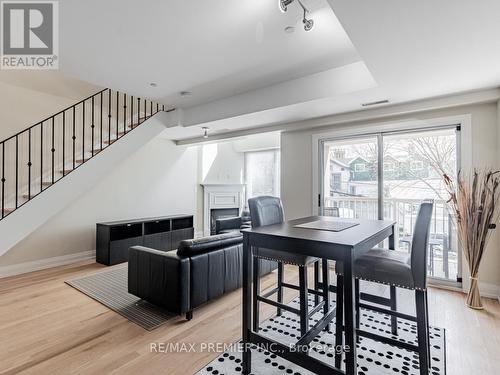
<point x="378" y="102"/>
<point x="247" y="72"/>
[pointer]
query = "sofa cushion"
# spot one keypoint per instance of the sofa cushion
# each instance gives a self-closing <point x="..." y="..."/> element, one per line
<point x="206" y="244"/>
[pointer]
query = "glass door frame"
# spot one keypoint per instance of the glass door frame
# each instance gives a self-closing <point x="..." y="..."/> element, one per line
<point x="379" y="136"/>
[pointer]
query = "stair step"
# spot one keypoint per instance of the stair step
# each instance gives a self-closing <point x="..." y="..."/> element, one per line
<point x="7" y="211"/>
<point x="96" y="151"/>
<point x="109" y="141"/>
<point x="33" y="195"/>
<point x="70" y="169"/>
<point x="129" y="127"/>
<point x="46" y="183"/>
<point x="113" y="140"/>
<point x="135" y="124"/>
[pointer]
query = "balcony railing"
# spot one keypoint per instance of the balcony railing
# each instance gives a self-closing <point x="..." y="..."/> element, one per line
<point x="443" y="259"/>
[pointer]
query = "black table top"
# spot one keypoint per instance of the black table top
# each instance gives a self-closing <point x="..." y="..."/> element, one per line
<point x="350" y="237"/>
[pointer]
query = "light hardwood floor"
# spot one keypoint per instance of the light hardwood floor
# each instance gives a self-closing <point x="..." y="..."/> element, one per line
<point x="47" y="327"/>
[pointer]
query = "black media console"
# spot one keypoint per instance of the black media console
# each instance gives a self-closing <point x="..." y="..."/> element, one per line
<point x="162" y="233"/>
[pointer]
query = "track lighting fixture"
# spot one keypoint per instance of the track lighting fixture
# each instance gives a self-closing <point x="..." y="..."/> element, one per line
<point x="308" y="23"/>
<point x="283" y="4"/>
<point x="205" y="132"/>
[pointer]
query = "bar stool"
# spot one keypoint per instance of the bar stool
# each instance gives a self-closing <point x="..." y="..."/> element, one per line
<point x="267" y="210"/>
<point x="401" y="270"/>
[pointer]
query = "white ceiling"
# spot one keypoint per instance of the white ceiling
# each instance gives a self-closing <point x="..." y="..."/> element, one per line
<point x="215" y="48"/>
<point x="244" y="71"/>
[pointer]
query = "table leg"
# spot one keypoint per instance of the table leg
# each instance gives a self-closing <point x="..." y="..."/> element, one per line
<point x="316" y="282"/>
<point x="394" y="307"/>
<point x="339" y="320"/>
<point x="350" y="332"/>
<point x="392" y="245"/>
<point x="247" y="304"/>
<point x="326" y="288"/>
<point x="394" y="320"/>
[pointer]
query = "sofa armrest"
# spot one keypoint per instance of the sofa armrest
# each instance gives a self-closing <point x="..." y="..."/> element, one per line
<point x="227" y="224"/>
<point x="162" y="278"/>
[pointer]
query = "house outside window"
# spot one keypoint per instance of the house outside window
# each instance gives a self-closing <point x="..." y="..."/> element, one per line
<point x="336" y="181"/>
<point x="262" y="173"/>
<point x="388" y="167"/>
<point x="417" y="165"/>
<point x="360" y="167"/>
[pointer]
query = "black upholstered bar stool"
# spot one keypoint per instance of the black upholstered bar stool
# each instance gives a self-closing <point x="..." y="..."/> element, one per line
<point x="267" y="210"/>
<point x="401" y="270"/>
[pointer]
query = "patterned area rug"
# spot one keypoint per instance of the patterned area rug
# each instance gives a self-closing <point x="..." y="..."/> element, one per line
<point x="109" y="287"/>
<point x="374" y="358"/>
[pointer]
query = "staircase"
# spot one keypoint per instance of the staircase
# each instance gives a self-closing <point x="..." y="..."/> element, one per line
<point x="40" y="156"/>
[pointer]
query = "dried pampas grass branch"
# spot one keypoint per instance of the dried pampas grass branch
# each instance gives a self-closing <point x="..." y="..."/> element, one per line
<point x="474" y="199"/>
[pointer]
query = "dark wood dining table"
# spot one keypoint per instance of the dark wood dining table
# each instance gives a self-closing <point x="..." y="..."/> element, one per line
<point x="342" y="246"/>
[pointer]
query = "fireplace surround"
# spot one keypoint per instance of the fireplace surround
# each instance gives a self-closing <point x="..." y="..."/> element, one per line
<point x="222" y="200"/>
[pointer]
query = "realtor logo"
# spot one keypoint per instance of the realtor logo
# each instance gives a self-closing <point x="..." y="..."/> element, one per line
<point x="29" y="35"/>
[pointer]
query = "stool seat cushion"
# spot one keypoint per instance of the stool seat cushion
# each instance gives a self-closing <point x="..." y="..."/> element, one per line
<point x="383" y="266"/>
<point x="285" y="257"/>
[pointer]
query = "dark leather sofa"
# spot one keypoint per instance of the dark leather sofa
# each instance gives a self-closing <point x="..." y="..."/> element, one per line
<point x="233" y="224"/>
<point x="200" y="270"/>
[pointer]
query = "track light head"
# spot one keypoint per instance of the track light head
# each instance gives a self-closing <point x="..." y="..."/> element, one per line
<point x="283" y="4"/>
<point x="308" y="24"/>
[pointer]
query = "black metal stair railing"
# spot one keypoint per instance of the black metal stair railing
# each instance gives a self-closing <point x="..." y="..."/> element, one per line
<point x="41" y="155"/>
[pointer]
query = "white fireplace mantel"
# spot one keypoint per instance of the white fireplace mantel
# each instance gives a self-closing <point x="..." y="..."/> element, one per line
<point x="216" y="196"/>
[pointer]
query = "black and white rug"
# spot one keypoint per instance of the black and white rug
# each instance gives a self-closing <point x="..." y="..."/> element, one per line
<point x="374" y="358"/>
<point x="109" y="287"/>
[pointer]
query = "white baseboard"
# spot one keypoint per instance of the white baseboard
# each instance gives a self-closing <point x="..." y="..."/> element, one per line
<point x="489" y="290"/>
<point x="18" y="269"/>
<point x="486" y="290"/>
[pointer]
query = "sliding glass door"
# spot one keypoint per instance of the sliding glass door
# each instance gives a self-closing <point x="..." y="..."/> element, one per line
<point x="388" y="175"/>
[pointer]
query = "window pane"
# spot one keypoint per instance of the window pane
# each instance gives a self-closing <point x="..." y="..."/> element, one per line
<point x="350" y="180"/>
<point x="262" y="173"/>
<point x="418" y="162"/>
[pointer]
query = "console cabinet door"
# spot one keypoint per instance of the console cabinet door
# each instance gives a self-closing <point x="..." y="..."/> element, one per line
<point x="118" y="250"/>
<point x="181" y="234"/>
<point x="158" y="241"/>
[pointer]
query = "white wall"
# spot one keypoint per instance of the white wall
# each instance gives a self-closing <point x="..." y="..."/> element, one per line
<point x="21" y="107"/>
<point x="221" y="164"/>
<point x="296" y="156"/>
<point x="159" y="179"/>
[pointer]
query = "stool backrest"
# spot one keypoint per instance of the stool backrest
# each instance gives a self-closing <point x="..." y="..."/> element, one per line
<point x="420" y="243"/>
<point x="266" y="210"/>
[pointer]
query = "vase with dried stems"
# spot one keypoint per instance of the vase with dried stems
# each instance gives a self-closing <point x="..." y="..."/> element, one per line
<point x="474" y="199"/>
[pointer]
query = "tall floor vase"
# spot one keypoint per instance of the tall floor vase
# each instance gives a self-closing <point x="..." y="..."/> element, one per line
<point x="474" y="200"/>
<point x="474" y="296"/>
